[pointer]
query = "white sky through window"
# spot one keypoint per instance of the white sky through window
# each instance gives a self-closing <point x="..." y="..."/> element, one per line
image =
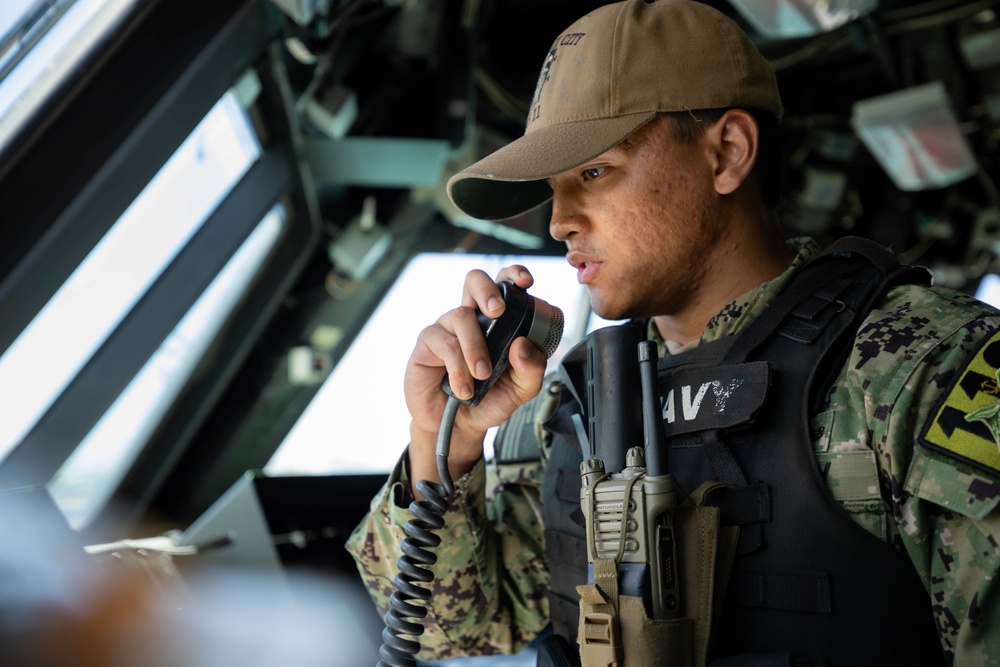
<point x="358" y="422"/>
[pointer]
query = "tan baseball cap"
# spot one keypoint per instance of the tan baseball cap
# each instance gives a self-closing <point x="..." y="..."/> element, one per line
<point x="606" y="76"/>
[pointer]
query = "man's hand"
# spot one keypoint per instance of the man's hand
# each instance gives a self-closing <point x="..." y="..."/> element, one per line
<point x="455" y="345"/>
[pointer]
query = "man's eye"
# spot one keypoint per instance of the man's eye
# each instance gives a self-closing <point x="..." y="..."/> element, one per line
<point x="591" y="173"/>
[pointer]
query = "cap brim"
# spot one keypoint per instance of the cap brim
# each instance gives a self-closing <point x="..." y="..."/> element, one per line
<point x="513" y="179"/>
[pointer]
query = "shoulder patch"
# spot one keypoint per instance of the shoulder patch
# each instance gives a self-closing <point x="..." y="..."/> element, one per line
<point x="965" y="423"/>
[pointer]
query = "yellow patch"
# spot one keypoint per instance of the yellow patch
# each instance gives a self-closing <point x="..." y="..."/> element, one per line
<point x="965" y="424"/>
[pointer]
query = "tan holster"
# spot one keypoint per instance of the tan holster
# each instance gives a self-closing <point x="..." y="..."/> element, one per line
<point x="615" y="630"/>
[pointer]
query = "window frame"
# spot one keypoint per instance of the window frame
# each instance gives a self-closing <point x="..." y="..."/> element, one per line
<point x="68" y="221"/>
<point x="89" y="189"/>
<point x="126" y="350"/>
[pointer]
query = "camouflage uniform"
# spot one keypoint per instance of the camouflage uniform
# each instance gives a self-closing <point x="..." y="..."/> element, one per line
<point x="919" y="360"/>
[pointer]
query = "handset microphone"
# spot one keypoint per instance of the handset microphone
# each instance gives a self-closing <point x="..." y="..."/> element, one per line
<point x="524" y="315"/>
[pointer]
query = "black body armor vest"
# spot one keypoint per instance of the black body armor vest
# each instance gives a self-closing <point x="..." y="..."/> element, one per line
<point x="809" y="585"/>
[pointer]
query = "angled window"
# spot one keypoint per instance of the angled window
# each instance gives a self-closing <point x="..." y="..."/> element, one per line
<point x="117" y="273"/>
<point x="84" y="484"/>
<point x="42" y="44"/>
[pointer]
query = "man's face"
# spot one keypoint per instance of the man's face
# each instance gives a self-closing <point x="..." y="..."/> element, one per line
<point x="642" y="223"/>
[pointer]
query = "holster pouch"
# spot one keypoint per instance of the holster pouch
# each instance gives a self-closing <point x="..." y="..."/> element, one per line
<point x="616" y="631"/>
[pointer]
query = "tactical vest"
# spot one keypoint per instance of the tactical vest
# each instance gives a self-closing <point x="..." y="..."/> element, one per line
<point x="808" y="585"/>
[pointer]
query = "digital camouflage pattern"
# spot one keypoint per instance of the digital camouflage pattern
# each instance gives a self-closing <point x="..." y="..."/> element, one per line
<point x="878" y="443"/>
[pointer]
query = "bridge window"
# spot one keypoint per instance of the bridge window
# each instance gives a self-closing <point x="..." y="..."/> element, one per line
<point x="358" y="422"/>
<point x="107" y="285"/>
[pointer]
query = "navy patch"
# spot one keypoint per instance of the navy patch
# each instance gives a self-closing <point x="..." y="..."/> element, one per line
<point x="965" y="423"/>
<point x="713" y="398"/>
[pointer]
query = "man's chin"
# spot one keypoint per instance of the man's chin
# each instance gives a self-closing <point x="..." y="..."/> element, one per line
<point x="606" y="310"/>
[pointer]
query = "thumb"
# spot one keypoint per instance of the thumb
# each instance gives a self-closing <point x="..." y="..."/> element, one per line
<point x="527" y="366"/>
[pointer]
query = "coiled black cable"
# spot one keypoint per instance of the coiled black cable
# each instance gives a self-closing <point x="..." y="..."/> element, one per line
<point x="403" y="615"/>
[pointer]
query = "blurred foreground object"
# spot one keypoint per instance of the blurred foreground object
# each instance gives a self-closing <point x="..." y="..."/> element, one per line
<point x="134" y="603"/>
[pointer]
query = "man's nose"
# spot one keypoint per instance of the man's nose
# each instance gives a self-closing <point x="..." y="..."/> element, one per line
<point x="566" y="219"/>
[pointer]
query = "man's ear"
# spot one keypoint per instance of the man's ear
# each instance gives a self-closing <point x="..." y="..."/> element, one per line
<point x="734" y="139"/>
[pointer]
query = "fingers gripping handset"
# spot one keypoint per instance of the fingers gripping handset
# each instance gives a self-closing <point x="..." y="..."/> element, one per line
<point x="523" y="315"/>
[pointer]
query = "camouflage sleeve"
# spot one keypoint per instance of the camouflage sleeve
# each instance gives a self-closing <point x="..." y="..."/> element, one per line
<point x="489" y="593"/>
<point x="911" y="366"/>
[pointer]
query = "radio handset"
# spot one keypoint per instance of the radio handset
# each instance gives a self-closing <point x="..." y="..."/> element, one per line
<point x="523" y="315"/>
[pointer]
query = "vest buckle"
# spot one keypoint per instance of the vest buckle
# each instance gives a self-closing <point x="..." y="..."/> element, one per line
<point x="601" y="644"/>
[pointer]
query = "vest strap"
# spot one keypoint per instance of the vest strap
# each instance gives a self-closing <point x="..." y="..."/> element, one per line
<point x="725" y="467"/>
<point x="807" y="592"/>
<point x="807" y="321"/>
<point x="739" y="506"/>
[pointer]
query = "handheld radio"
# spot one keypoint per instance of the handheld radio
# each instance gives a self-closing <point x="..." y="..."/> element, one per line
<point x="629" y="519"/>
<point x="524" y="316"/>
<point x="628" y="514"/>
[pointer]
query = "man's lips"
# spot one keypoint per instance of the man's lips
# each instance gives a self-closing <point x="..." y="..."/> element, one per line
<point x="586" y="265"/>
